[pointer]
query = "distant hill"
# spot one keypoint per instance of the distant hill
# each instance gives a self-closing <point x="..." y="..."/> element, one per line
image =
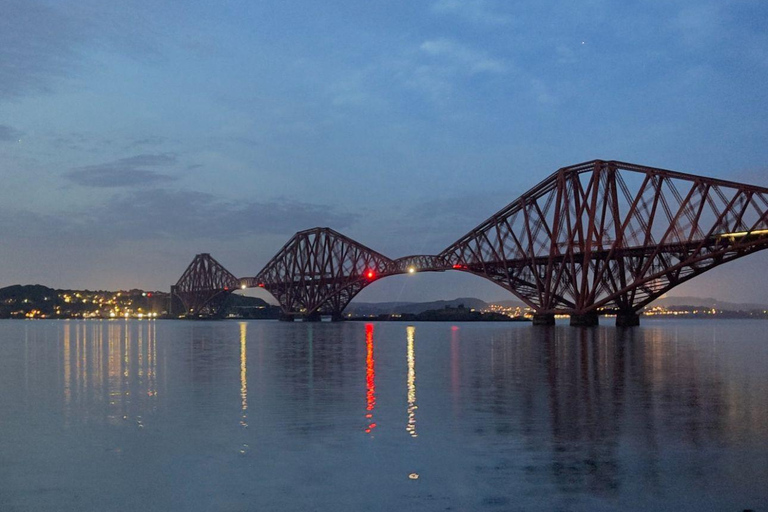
<point x="707" y="303"/>
<point x="36" y="292"/>
<point x="37" y="301"/>
<point x="243" y="306"/>
<point x="388" y="308"/>
<point x="509" y="303"/>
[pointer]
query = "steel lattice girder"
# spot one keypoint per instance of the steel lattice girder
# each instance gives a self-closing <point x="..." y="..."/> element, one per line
<point x="204" y="285"/>
<point x="320" y="270"/>
<point x="602" y="236"/>
<point x="418" y="263"/>
<point x="612" y="236"/>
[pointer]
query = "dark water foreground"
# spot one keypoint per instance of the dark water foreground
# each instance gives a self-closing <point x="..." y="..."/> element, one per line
<point x="195" y="416"/>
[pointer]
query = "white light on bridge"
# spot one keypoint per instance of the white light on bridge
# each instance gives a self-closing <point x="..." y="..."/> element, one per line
<point x="242" y="286"/>
<point x="743" y="233"/>
<point x="411" y="270"/>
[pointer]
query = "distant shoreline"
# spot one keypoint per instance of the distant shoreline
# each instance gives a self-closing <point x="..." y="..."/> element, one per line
<point x="458" y="319"/>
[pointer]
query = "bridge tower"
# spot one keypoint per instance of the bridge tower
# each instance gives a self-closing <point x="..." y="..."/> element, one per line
<point x="203" y="288"/>
<point x="611" y="237"/>
<point x="318" y="272"/>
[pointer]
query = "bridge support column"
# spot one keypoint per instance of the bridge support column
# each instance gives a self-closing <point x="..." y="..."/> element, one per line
<point x="544" y="319"/>
<point x="311" y="317"/>
<point x="584" y="320"/>
<point x="627" y="319"/>
<point x="286" y="317"/>
<point x="170" y="301"/>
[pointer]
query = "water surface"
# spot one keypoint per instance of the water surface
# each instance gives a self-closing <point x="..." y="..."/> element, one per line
<point x="261" y="415"/>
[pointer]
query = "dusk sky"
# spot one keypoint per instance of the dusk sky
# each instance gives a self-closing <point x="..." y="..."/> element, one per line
<point x="135" y="134"/>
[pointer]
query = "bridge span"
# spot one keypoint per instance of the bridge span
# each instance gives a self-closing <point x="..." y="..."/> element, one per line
<point x="601" y="237"/>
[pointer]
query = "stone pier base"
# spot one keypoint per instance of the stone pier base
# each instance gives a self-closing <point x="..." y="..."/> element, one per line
<point x="544" y="319"/>
<point x="312" y="317"/>
<point x="627" y="319"/>
<point x="337" y="317"/>
<point x="286" y="317"/>
<point x="585" y="320"/>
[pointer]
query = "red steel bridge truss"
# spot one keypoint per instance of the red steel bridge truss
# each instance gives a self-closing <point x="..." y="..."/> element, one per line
<point x="203" y="287"/>
<point x="602" y="237"/>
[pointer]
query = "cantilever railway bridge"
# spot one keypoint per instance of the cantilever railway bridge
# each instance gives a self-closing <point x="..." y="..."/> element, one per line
<point x="602" y="237"/>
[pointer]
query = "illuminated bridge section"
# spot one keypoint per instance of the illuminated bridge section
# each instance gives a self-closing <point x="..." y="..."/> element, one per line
<point x="741" y="235"/>
<point x="318" y="272"/>
<point x="611" y="237"/>
<point x="601" y="237"/>
<point x="418" y="263"/>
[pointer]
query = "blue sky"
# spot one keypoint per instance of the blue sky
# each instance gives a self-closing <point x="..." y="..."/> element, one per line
<point x="133" y="136"/>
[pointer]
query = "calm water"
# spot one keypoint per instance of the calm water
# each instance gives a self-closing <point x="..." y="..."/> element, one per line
<point x="131" y="415"/>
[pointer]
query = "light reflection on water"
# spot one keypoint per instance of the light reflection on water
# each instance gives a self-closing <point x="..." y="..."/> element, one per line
<point x="244" y="373"/>
<point x="103" y="364"/>
<point x="121" y="415"/>
<point x="370" y="378"/>
<point x="411" y="358"/>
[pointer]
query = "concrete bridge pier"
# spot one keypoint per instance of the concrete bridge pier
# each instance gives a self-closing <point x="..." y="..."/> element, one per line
<point x="544" y="319"/>
<point x="627" y="319"/>
<point x="312" y="317"/>
<point x="286" y="317"/>
<point x="337" y="317"/>
<point x="584" y="320"/>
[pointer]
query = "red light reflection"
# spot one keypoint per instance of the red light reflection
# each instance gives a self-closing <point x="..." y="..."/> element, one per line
<point x="370" y="378"/>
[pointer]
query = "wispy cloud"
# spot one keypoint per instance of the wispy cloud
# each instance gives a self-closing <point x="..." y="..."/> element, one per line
<point x="20" y="225"/>
<point x="42" y="43"/>
<point x="477" y="11"/>
<point x="699" y="24"/>
<point x="148" y="160"/>
<point x="125" y="172"/>
<point x="37" y="45"/>
<point x="108" y="178"/>
<point x="150" y="214"/>
<point x="461" y="58"/>
<point x="165" y="213"/>
<point x="148" y="141"/>
<point x="438" y="66"/>
<point x="352" y="90"/>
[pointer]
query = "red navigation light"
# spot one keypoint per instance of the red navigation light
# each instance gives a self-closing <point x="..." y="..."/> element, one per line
<point x="370" y="274"/>
<point x="226" y="288"/>
<point x="149" y="294"/>
<point x="261" y="285"/>
<point x="459" y="266"/>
